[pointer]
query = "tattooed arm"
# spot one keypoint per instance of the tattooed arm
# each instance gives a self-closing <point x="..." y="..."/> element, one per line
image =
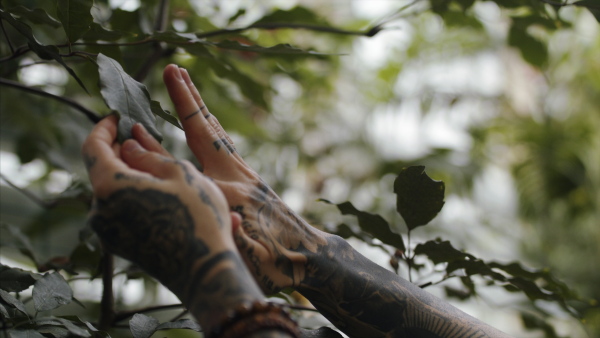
<point x="282" y="250"/>
<point x="171" y="220"/>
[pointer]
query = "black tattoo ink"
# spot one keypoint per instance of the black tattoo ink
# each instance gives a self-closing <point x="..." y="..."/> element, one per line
<point x="151" y="228"/>
<point x="89" y="161"/>
<point x="192" y="114"/>
<point x="223" y="142"/>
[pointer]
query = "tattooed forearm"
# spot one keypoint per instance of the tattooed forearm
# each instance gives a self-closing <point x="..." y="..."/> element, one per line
<point x="156" y="230"/>
<point x="136" y="223"/>
<point x="365" y="300"/>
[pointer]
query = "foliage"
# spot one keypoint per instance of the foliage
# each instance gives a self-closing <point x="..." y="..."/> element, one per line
<point x="100" y="60"/>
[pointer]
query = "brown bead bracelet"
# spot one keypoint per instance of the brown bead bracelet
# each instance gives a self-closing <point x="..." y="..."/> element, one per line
<point x="252" y="317"/>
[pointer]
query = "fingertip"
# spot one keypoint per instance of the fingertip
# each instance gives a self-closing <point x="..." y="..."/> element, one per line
<point x="236" y="221"/>
<point x="130" y="147"/>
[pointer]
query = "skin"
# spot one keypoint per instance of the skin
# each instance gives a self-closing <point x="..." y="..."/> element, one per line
<point x="279" y="248"/>
<point x="170" y="219"/>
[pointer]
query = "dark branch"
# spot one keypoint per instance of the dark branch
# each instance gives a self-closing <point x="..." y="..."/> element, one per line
<point x="369" y="33"/>
<point x="162" y="16"/>
<point x="12" y="50"/>
<point x="563" y="4"/>
<point x="27" y="193"/>
<point x="107" y="303"/>
<point x="88" y="113"/>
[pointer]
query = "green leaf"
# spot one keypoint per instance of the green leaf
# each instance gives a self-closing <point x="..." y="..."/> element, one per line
<point x="16" y="280"/>
<point x="532" y="50"/>
<point x="239" y="13"/>
<point x="126" y="96"/>
<point x="45" y="52"/>
<point x="51" y="291"/>
<point x="419" y="198"/>
<point x="187" y="324"/>
<point x="70" y="326"/>
<point x="282" y="49"/>
<point x="373" y="224"/>
<point x="440" y="251"/>
<point x="461" y="19"/>
<point x="8" y="299"/>
<point x="164" y="114"/>
<point x="37" y="16"/>
<point x="142" y="326"/>
<point x="592" y="5"/>
<point x="252" y="89"/>
<point x="75" y="16"/>
<point x="11" y="236"/>
<point x="531" y="321"/>
<point x="344" y="231"/>
<point x="297" y="14"/>
<point x="24" y="334"/>
<point x="97" y="32"/>
<point x="456" y="293"/>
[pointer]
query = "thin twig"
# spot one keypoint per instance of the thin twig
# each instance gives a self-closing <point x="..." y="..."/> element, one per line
<point x="88" y="113"/>
<point x="20" y="51"/>
<point x="162" y="17"/>
<point x="107" y="303"/>
<point x="12" y="50"/>
<point x="29" y="194"/>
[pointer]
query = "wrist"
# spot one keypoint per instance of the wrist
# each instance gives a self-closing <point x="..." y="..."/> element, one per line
<point x="215" y="285"/>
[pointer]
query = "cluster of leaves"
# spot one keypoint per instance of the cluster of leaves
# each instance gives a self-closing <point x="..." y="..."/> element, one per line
<point x="525" y="19"/>
<point x="50" y="291"/>
<point x="418" y="200"/>
<point x="94" y="47"/>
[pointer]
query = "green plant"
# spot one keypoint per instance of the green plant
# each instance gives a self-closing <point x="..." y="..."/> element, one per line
<point x="94" y="44"/>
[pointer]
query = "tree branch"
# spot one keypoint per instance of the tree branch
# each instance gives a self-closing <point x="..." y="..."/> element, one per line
<point x="12" y="50"/>
<point x="107" y="303"/>
<point x="88" y="113"/>
<point x="281" y="25"/>
<point x="564" y="4"/>
<point x="27" y="193"/>
<point x="160" y="25"/>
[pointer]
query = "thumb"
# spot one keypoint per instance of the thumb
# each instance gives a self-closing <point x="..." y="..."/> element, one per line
<point x="146" y="161"/>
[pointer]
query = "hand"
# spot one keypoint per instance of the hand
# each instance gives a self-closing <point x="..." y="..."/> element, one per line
<point x="168" y="218"/>
<point x="272" y="239"/>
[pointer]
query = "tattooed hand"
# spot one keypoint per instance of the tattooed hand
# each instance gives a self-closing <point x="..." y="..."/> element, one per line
<point x="272" y="239"/>
<point x="168" y="218"/>
<point x="282" y="250"/>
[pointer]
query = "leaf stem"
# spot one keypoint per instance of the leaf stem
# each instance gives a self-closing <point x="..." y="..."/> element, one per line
<point x="88" y="113"/>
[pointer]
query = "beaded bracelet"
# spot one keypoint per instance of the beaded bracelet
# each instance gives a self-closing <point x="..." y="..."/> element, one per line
<point x="248" y="318"/>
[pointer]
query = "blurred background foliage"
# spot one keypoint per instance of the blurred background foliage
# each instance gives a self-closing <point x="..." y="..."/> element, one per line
<point x="499" y="99"/>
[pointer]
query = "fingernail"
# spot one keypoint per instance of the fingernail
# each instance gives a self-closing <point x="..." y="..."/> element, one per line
<point x="186" y="76"/>
<point x="178" y="74"/>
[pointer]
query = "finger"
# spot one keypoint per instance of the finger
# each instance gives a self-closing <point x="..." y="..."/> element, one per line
<point x="147" y="141"/>
<point x="201" y="137"/>
<point x="101" y="151"/>
<point x="214" y="122"/>
<point x="236" y="221"/>
<point x="152" y="163"/>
